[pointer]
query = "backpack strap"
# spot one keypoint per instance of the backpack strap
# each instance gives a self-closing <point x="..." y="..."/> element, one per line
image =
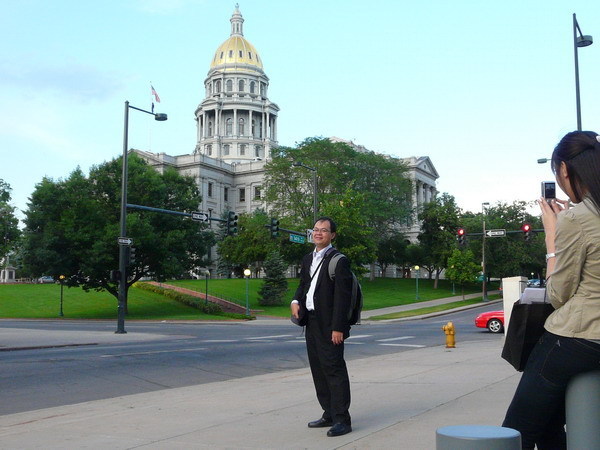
<point x="333" y="264"/>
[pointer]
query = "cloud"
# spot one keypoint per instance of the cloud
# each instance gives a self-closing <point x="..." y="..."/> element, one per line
<point x="74" y="81"/>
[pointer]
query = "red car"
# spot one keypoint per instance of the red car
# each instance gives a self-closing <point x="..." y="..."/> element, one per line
<point x="492" y="320"/>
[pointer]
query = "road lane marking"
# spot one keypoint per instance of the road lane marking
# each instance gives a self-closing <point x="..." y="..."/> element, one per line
<point x="358" y="336"/>
<point x="404" y="345"/>
<point x="395" y="339"/>
<point x="153" y="352"/>
<point x="268" y="337"/>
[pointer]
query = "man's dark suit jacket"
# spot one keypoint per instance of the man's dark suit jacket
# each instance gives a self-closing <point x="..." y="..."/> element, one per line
<point x="332" y="298"/>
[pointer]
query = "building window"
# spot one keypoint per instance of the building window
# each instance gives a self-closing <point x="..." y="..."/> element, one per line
<point x="242" y="194"/>
<point x="229" y="85"/>
<point x="262" y="89"/>
<point x="241" y="54"/>
<point x="226" y="150"/>
<point x="209" y="150"/>
<point x="221" y="55"/>
<point x="231" y="53"/>
<point x="242" y="149"/>
<point x="252" y="87"/>
<point x="256" y="192"/>
<point x="250" y="55"/>
<point x="218" y="86"/>
<point x="210" y="189"/>
<point x="226" y="194"/>
<point x="210" y="129"/>
<point x="257" y="151"/>
<point x="241" y="130"/>
<point x="254" y="134"/>
<point x="229" y="127"/>
<point x="241" y="86"/>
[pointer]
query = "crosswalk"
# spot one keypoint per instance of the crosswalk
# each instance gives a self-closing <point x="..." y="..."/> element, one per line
<point x="359" y="339"/>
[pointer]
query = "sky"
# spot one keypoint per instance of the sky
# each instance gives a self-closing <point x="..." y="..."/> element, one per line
<point x="482" y="88"/>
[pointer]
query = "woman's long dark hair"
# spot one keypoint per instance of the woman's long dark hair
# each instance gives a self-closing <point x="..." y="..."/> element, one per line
<point x="580" y="151"/>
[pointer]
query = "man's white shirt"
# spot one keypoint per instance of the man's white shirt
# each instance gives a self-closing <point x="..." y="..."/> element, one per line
<point x="317" y="258"/>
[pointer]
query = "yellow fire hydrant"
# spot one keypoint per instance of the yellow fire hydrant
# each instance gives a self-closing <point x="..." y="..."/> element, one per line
<point x="450" y="332"/>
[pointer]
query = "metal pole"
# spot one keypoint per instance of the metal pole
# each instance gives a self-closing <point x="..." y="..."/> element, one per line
<point x="123" y="232"/>
<point x="417" y="279"/>
<point x="484" y="283"/>
<point x="577" y="99"/>
<point x="61" y="300"/>
<point x="247" y="301"/>
<point x="578" y="102"/>
<point x="314" y="196"/>
<point x="206" y="290"/>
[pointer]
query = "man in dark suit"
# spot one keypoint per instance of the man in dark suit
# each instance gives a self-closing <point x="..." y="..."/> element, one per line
<point x="323" y="304"/>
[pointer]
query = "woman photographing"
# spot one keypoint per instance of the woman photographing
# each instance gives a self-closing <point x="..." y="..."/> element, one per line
<point x="570" y="344"/>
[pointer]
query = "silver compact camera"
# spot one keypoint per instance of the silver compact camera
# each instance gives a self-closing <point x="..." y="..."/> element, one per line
<point x="548" y="190"/>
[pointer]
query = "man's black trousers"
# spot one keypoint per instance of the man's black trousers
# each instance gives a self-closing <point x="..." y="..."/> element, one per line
<point x="329" y="372"/>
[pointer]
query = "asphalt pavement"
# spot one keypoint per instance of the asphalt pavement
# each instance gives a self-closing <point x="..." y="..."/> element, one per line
<point x="398" y="401"/>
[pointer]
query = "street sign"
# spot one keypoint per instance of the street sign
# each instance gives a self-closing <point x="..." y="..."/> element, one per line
<point x="298" y="239"/>
<point x="309" y="236"/>
<point x="125" y="241"/>
<point x="199" y="216"/>
<point x="495" y="233"/>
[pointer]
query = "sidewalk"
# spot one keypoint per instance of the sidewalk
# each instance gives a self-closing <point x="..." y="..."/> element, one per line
<point x="399" y="400"/>
<point x="427" y="304"/>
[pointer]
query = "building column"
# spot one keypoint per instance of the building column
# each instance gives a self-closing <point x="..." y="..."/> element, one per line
<point x="235" y="129"/>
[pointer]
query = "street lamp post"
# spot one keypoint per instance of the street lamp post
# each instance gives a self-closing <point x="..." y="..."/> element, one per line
<point x="247" y="273"/>
<point x="123" y="228"/>
<point x="61" y="278"/>
<point x="314" y="171"/>
<point x="418" y="271"/>
<point x="580" y="40"/>
<point x="484" y="282"/>
<point x="207" y="274"/>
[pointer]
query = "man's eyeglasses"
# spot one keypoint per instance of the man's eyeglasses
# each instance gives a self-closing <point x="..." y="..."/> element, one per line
<point x="322" y="230"/>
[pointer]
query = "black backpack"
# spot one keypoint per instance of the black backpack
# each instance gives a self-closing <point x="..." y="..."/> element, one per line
<point x="356" y="298"/>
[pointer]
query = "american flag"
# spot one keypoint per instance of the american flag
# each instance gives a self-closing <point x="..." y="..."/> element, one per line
<point x="156" y="97"/>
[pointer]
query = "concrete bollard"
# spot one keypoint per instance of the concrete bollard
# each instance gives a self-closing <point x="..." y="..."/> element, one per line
<point x="477" y="437"/>
<point x="583" y="411"/>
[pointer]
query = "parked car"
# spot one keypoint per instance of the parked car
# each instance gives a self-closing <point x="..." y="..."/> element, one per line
<point x="492" y="320"/>
<point x="45" y="279"/>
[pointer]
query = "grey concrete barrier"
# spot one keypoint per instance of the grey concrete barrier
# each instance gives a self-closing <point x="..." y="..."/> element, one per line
<point x="582" y="403"/>
<point x="477" y="437"/>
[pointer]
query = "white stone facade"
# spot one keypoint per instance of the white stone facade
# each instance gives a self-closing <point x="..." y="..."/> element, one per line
<point x="237" y="129"/>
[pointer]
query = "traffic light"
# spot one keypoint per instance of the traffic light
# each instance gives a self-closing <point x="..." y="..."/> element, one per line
<point x="232" y="223"/>
<point x="129" y="256"/>
<point x="527" y="230"/>
<point x="461" y="236"/>
<point x="274" y="227"/>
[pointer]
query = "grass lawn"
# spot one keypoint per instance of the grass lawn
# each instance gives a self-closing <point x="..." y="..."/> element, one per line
<point x="34" y="301"/>
<point x="379" y="293"/>
<point x="43" y="300"/>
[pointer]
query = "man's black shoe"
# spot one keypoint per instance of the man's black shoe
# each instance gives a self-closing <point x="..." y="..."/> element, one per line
<point x="322" y="422"/>
<point x="339" y="429"/>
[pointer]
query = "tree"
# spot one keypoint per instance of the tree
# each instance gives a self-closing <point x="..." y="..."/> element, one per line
<point x="392" y="249"/>
<point x="274" y="287"/>
<point x="72" y="226"/>
<point x="462" y="268"/>
<point x="440" y="220"/>
<point x="511" y="255"/>
<point x="9" y="224"/>
<point x="250" y="246"/>
<point x="343" y="173"/>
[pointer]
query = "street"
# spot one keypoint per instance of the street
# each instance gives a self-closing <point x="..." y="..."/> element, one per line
<point x="187" y="354"/>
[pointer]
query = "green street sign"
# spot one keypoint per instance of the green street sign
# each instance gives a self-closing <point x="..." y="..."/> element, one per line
<point x="298" y="239"/>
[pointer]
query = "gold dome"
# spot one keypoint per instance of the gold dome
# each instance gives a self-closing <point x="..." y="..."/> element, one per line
<point x="236" y="53"/>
